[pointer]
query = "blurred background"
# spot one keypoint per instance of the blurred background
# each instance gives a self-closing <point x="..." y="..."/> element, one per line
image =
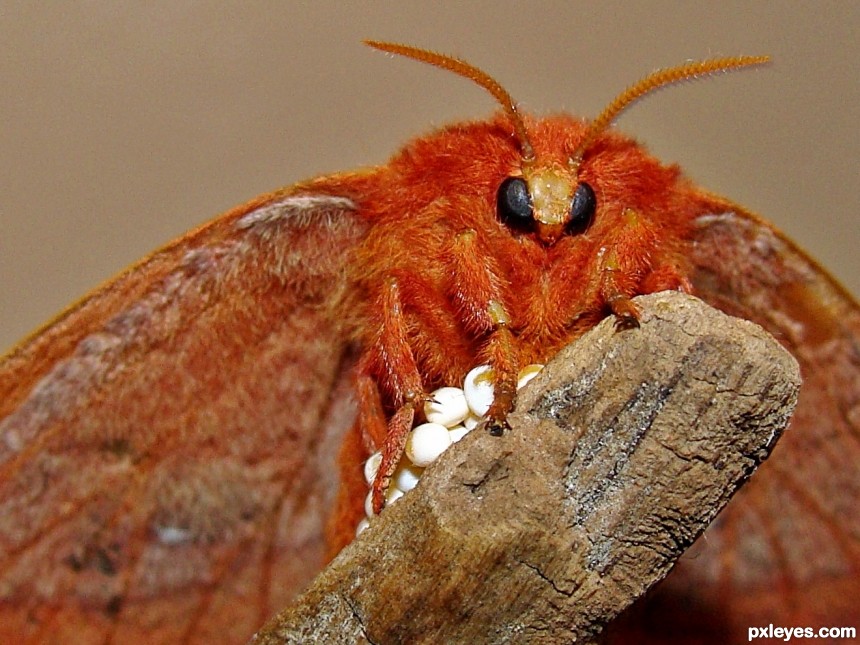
<point x="124" y="124"/>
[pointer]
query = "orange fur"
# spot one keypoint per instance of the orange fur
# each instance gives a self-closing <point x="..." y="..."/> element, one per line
<point x="436" y="255"/>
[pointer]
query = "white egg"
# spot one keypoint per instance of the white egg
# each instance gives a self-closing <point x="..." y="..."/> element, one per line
<point x="471" y="421"/>
<point x="368" y="504"/>
<point x="406" y="476"/>
<point x="426" y="442"/>
<point x="457" y="432"/>
<point x="447" y="406"/>
<point x="528" y="373"/>
<point x="478" y="389"/>
<point x="392" y="495"/>
<point x="371" y="467"/>
<point x="362" y="526"/>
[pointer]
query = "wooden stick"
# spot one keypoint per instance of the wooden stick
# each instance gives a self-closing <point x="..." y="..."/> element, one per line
<point x="619" y="455"/>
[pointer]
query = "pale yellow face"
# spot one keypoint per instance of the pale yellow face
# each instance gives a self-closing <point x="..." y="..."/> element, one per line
<point x="551" y="189"/>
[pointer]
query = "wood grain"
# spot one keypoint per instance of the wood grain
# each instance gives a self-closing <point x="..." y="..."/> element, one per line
<point x="619" y="455"/>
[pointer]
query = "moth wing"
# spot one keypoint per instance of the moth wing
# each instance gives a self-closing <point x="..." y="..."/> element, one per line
<point x="161" y="443"/>
<point x="786" y="550"/>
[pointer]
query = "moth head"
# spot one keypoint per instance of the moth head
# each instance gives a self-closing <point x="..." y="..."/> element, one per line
<point x="546" y="198"/>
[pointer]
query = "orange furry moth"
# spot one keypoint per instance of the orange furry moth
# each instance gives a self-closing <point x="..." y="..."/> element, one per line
<point x="168" y="444"/>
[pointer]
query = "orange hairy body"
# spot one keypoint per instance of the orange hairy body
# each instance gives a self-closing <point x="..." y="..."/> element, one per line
<point x="432" y="271"/>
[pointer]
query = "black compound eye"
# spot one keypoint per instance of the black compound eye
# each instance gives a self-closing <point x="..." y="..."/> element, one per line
<point x="582" y="208"/>
<point x="514" y="204"/>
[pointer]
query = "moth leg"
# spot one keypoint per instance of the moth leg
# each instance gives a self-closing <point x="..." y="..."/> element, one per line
<point x="478" y="294"/>
<point x="392" y="450"/>
<point x="616" y="289"/>
<point x="666" y="278"/>
<point x="625" y="310"/>
<point x="622" y="265"/>
<point x="391" y="358"/>
<point x="372" y="426"/>
<point x="503" y="359"/>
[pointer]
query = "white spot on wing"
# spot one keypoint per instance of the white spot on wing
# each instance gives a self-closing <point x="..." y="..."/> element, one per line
<point x="12" y="439"/>
<point x="706" y="220"/>
<point x="294" y="207"/>
<point x="172" y="535"/>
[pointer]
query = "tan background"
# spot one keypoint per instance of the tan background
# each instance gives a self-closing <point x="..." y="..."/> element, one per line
<point x="122" y="125"/>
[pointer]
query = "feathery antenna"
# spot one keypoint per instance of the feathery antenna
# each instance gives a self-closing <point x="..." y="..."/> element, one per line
<point x="653" y="82"/>
<point x="472" y="73"/>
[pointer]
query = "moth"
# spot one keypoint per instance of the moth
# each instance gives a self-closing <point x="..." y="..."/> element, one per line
<point x="181" y="450"/>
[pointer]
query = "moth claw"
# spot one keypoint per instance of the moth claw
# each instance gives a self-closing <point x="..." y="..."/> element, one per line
<point x="497" y="427"/>
<point x="626" y="322"/>
<point x="378" y="497"/>
<point x="626" y="313"/>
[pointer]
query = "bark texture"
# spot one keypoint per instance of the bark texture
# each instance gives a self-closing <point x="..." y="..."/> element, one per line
<point x="619" y="454"/>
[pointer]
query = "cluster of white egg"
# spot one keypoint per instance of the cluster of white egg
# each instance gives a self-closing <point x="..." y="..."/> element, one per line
<point x="450" y="414"/>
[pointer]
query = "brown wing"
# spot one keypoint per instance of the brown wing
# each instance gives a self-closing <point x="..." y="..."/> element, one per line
<point x="161" y="443"/>
<point x="786" y="551"/>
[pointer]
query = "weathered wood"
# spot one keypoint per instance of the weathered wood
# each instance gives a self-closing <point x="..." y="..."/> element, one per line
<point x="619" y="455"/>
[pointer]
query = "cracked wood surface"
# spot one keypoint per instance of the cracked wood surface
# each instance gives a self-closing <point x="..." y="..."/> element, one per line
<point x="619" y="454"/>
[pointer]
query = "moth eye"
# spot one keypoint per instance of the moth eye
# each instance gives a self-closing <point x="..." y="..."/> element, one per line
<point x="514" y="204"/>
<point x="582" y="208"/>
